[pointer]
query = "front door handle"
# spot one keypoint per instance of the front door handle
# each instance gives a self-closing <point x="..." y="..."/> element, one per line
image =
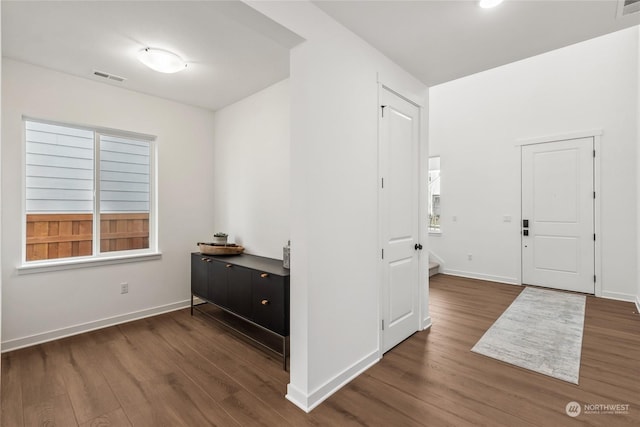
<point x="418" y="246"/>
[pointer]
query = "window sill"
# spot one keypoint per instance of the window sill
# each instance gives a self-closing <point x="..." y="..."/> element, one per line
<point x="70" y="264"/>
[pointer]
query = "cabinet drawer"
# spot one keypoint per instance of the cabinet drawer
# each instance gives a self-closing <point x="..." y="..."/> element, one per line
<point x="269" y="302"/>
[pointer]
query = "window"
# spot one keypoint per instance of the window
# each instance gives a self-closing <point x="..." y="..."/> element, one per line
<point x="81" y="183"/>
<point x="434" y="194"/>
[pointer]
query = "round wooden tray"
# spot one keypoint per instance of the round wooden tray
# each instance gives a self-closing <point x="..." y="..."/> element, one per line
<point x="211" y="249"/>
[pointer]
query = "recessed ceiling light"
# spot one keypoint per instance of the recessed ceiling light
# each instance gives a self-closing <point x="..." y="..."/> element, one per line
<point x="487" y="4"/>
<point x="161" y="60"/>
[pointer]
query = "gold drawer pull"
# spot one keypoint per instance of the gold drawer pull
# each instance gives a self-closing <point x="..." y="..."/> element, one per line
<point x="206" y="259"/>
<point x="264" y="275"/>
<point x="229" y="265"/>
<point x="264" y="302"/>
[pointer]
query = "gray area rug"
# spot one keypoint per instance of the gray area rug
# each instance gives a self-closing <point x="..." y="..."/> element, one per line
<point x="541" y="331"/>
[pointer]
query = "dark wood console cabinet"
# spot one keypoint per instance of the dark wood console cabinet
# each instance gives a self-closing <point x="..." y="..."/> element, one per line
<point x="253" y="288"/>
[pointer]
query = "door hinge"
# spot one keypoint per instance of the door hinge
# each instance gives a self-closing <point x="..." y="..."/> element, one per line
<point x="594" y="237"/>
<point x="382" y="182"/>
<point x="594" y="278"/>
<point x="383" y="324"/>
<point x="594" y="194"/>
<point x="594" y="153"/>
<point x="382" y="108"/>
<point x="383" y="254"/>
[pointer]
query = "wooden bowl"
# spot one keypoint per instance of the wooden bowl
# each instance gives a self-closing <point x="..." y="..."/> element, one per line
<point x="214" y="249"/>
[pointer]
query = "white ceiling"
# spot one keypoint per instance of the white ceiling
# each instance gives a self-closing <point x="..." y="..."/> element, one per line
<point x="439" y="41"/>
<point x="233" y="51"/>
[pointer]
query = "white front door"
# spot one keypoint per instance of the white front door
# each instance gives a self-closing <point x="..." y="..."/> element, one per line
<point x="558" y="215"/>
<point x="399" y="209"/>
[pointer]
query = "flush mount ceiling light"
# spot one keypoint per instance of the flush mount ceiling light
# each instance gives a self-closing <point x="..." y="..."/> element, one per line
<point x="487" y="4"/>
<point x="161" y="60"/>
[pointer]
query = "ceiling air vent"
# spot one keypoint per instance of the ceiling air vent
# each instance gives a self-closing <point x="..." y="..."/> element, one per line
<point x="108" y="76"/>
<point x="627" y="7"/>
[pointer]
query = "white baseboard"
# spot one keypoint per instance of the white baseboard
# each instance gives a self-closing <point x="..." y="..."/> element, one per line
<point x="480" y="276"/>
<point x="55" y="334"/>
<point x="437" y="259"/>
<point x="511" y="281"/>
<point x="426" y="323"/>
<point x="297" y="397"/>
<point x="618" y="296"/>
<point x="307" y="402"/>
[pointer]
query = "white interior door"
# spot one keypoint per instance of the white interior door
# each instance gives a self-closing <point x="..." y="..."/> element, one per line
<point x="399" y="214"/>
<point x="558" y="215"/>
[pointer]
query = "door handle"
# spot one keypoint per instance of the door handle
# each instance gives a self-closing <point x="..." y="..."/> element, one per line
<point x="525" y="223"/>
<point x="418" y="246"/>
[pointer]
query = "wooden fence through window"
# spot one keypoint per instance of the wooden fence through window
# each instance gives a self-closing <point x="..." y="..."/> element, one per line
<point x="52" y="236"/>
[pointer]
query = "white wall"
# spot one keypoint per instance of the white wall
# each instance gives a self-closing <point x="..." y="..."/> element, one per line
<point x="48" y="305"/>
<point x="0" y="197"/>
<point x="638" y="180"/>
<point x="475" y="123"/>
<point x="334" y="199"/>
<point x="251" y="171"/>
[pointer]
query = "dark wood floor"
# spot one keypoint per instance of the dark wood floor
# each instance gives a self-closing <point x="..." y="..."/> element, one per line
<point x="175" y="370"/>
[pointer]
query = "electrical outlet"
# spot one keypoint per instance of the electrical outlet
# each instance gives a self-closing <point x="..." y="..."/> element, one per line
<point x="124" y="288"/>
<point x="470" y="257"/>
